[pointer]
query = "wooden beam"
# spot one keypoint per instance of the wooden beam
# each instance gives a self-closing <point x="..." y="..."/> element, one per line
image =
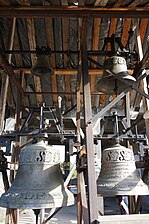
<point x="9" y="71"/>
<point x="72" y="11"/>
<point x="92" y="71"/>
<point x="92" y="188"/>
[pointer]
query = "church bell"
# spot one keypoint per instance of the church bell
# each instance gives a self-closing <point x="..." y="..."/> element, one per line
<point x="108" y="84"/>
<point x="119" y="175"/>
<point x="42" y="66"/>
<point x="39" y="181"/>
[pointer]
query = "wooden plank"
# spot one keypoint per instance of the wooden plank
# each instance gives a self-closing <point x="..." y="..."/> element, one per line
<point x="65" y="38"/>
<point x="101" y="2"/>
<point x="135" y="3"/>
<point x="143" y="27"/>
<point x="95" y="43"/>
<point x="125" y="32"/>
<point x="18" y="57"/>
<point x="123" y="219"/>
<point x="127" y="22"/>
<point x="32" y="44"/>
<point x="5" y="2"/>
<point x="118" y="3"/>
<point x="24" y="2"/>
<point x="24" y="86"/>
<point x="112" y="30"/>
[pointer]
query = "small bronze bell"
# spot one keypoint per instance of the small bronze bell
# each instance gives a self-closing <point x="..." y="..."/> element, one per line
<point x="39" y="181"/>
<point x="108" y="84"/>
<point x="119" y="175"/>
<point x="42" y="66"/>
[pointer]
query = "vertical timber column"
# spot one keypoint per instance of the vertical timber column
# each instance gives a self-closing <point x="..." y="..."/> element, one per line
<point x="78" y="121"/>
<point x="92" y="188"/>
<point x="3" y="103"/>
<point x="145" y="107"/>
<point x="11" y="214"/>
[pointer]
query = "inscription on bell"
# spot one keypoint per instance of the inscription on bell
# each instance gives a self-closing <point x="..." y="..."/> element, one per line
<point x="118" y="60"/>
<point x="118" y="155"/>
<point x="40" y="157"/>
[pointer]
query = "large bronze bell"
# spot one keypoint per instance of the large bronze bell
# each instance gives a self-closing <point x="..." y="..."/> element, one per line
<point x="119" y="175"/>
<point x="108" y="84"/>
<point x="42" y="66"/>
<point x="39" y="181"/>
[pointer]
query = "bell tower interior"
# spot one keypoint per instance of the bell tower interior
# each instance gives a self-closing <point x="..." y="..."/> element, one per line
<point x="74" y="85"/>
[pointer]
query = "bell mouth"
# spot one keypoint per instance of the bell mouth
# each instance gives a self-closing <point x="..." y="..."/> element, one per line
<point x="42" y="70"/>
<point x="111" y="85"/>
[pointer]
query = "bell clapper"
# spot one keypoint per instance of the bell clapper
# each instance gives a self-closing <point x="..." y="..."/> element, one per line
<point x="116" y="128"/>
<point x="36" y="212"/>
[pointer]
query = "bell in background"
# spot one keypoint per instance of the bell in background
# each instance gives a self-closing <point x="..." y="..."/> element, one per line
<point x="42" y="66"/>
<point x="119" y="175"/>
<point x="108" y="84"/>
<point x="39" y="181"/>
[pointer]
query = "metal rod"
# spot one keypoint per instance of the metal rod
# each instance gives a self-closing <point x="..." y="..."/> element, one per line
<point x="27" y="120"/>
<point x="36" y="212"/>
<point x="41" y="117"/>
<point x="69" y="52"/>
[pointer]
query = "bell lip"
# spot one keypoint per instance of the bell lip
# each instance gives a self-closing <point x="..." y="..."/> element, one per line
<point x="100" y="87"/>
<point x="140" y="189"/>
<point x="51" y="71"/>
<point x="146" y="115"/>
<point x="36" y="204"/>
<point x="130" y="77"/>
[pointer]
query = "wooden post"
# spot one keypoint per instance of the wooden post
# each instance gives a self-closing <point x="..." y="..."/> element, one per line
<point x="11" y="215"/>
<point x="92" y="188"/>
<point x="5" y="89"/>
<point x="146" y="107"/>
<point x="78" y="122"/>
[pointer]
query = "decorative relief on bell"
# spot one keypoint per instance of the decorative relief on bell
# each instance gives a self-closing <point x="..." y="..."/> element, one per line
<point x="40" y="156"/>
<point x="118" y="155"/>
